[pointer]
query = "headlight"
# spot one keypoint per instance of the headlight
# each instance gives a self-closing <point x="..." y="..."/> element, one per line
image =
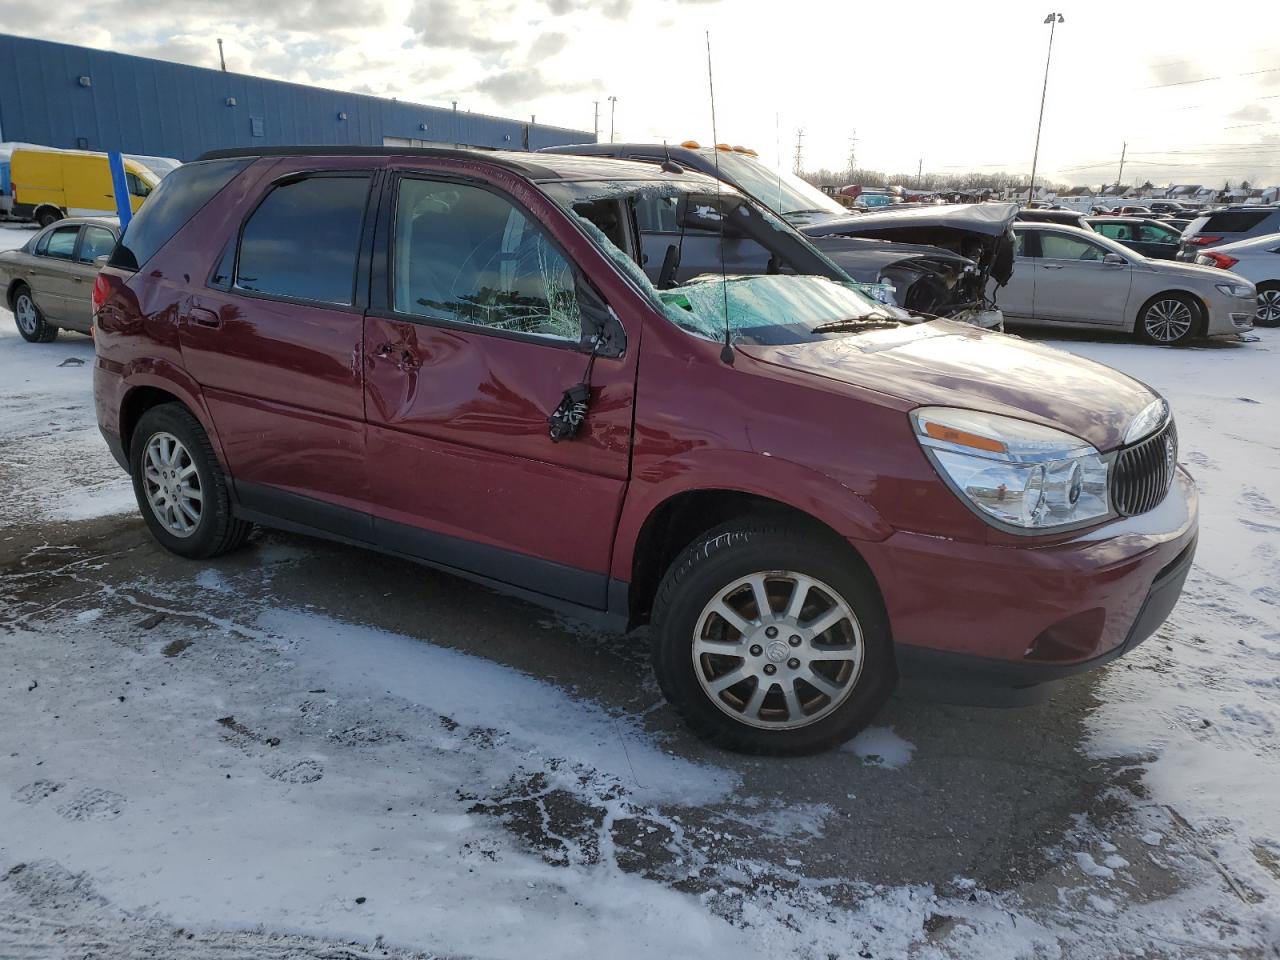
<point x="1013" y="472"/>
<point x="1241" y="290"/>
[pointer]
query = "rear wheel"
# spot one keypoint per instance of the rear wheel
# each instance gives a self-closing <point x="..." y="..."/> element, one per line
<point x="181" y="490"/>
<point x="48" y="215"/>
<point x="1170" y="319"/>
<point x="770" y="637"/>
<point x="1268" y="314"/>
<point x="30" y="320"/>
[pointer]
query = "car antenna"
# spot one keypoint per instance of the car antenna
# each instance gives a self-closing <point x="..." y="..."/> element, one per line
<point x="669" y="166"/>
<point x="726" y="354"/>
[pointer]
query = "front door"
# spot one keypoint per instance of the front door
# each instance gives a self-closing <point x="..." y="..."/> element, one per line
<point x="482" y="332"/>
<point x="1074" y="284"/>
<point x="50" y="273"/>
<point x="274" y="340"/>
<point x="1016" y="299"/>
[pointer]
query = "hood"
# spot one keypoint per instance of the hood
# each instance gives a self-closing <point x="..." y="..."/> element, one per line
<point x="1182" y="268"/>
<point x="987" y="219"/>
<point x="953" y="364"/>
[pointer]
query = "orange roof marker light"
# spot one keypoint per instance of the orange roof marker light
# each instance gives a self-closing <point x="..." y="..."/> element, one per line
<point x="691" y="145"/>
<point x="724" y="146"/>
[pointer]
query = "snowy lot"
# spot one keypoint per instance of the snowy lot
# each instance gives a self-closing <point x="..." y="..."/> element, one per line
<point x="303" y="750"/>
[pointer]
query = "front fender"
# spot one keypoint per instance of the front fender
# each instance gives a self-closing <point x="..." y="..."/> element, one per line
<point x="799" y="487"/>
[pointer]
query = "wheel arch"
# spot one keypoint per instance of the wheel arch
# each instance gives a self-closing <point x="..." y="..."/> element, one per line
<point x="60" y="214"/>
<point x="682" y="517"/>
<point x="11" y="293"/>
<point x="146" y="390"/>
<point x="1202" y="321"/>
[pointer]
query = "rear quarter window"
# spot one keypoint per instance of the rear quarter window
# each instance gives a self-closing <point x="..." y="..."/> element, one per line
<point x="174" y="201"/>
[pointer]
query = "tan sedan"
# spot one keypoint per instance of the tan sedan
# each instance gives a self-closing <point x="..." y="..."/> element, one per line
<point x="47" y="282"/>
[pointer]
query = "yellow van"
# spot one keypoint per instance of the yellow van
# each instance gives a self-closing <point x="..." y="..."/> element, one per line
<point x="51" y="184"/>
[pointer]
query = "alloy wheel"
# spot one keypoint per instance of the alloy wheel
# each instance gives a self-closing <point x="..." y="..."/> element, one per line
<point x="1168" y="320"/>
<point x="172" y="485"/>
<point x="24" y="312"/>
<point x="1268" y="308"/>
<point x="778" y="650"/>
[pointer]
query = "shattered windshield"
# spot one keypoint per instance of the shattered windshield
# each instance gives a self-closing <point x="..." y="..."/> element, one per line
<point x="781" y="192"/>
<point x="772" y="309"/>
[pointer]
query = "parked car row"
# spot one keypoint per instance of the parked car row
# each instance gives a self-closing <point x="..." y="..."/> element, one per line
<point x="507" y="368"/>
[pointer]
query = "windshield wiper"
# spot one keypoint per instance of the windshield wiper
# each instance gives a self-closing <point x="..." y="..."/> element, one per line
<point x="790" y="213"/>
<point x="854" y="323"/>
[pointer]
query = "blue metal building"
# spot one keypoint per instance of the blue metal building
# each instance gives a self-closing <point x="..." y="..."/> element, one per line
<point x="59" y="95"/>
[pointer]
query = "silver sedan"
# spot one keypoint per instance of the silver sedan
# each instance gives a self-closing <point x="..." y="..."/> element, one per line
<point x="47" y="282"/>
<point x="1258" y="261"/>
<point x="1066" y="277"/>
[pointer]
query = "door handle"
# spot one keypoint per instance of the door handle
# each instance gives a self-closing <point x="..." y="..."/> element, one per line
<point x="205" y="318"/>
<point x="1050" y="266"/>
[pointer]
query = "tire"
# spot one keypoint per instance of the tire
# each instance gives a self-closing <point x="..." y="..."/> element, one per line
<point x="29" y="320"/>
<point x="1170" y="320"/>
<point x="170" y="446"/>
<point x="1268" y="314"/>
<point x="47" y="216"/>
<point x="854" y="653"/>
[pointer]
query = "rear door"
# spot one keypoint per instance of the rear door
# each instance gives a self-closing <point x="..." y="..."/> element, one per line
<point x="1073" y="284"/>
<point x="274" y="338"/>
<point x="482" y="326"/>
<point x="95" y="241"/>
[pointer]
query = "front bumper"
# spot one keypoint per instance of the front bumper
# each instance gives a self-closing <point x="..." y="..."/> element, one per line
<point x="1229" y="315"/>
<point x="1000" y="624"/>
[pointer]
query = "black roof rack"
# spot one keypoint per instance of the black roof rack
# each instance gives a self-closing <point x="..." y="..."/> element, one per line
<point x="497" y="158"/>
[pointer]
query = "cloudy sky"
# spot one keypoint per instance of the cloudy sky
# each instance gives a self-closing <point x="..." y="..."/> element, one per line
<point x="1194" y="92"/>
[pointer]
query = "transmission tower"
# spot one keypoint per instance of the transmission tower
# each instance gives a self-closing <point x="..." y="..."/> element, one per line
<point x="799" y="165"/>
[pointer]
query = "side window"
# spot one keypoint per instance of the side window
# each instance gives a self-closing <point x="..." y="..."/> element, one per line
<point x="1060" y="246"/>
<point x="1154" y="234"/>
<point x="61" y="243"/>
<point x="464" y="254"/>
<point x="1020" y="244"/>
<point x="98" y="242"/>
<point x="1116" y="231"/>
<point x="303" y="240"/>
<point x="136" y="187"/>
<point x="657" y="214"/>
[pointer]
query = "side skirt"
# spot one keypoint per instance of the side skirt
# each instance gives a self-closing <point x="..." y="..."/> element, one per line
<point x="593" y="598"/>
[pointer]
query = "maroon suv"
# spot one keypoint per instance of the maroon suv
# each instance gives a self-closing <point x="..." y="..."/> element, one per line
<point x="496" y="364"/>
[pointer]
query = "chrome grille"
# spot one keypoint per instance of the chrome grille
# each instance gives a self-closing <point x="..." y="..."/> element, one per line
<point x="1143" y="472"/>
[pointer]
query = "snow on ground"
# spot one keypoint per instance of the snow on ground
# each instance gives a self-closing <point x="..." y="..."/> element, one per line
<point x="196" y="765"/>
<point x="53" y="463"/>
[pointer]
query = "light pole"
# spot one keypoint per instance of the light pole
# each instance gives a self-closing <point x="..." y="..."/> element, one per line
<point x="613" y="105"/>
<point x="1053" y="20"/>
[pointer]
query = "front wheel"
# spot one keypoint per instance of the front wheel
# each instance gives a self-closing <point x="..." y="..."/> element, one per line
<point x="1170" y="320"/>
<point x="1268" y="314"/>
<point x="30" y="319"/>
<point x="181" y="490"/>
<point x="770" y="637"/>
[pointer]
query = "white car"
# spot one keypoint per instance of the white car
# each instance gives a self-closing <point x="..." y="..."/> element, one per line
<point x="1258" y="261"/>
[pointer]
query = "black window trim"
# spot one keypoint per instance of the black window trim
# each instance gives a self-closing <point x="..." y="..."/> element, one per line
<point x="382" y="294"/>
<point x="359" y="303"/>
